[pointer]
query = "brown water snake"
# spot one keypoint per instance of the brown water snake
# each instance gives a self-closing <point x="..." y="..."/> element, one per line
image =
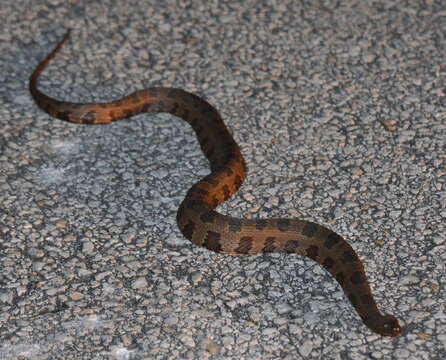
<point x="196" y="217"/>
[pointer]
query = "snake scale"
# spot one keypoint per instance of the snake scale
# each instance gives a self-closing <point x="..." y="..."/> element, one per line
<point x="196" y="217"/>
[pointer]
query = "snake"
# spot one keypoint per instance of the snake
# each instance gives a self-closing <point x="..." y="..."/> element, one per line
<point x="197" y="218"/>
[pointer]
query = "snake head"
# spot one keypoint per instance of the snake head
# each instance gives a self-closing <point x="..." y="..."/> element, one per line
<point x="386" y="325"/>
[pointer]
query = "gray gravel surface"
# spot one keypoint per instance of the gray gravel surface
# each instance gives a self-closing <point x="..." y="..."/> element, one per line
<point x="339" y="107"/>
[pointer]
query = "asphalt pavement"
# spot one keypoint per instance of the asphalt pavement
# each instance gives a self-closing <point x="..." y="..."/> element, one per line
<point x="339" y="108"/>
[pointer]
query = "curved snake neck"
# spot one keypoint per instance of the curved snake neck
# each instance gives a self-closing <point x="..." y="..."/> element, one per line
<point x="196" y="217"/>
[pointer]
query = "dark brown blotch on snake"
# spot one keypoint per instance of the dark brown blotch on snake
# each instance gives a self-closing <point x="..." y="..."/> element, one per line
<point x="196" y="217"/>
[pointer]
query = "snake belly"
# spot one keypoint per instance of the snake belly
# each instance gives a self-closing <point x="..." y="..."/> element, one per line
<point x="196" y="217"/>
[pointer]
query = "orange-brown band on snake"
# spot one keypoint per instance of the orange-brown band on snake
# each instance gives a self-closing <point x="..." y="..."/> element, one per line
<point x="196" y="217"/>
